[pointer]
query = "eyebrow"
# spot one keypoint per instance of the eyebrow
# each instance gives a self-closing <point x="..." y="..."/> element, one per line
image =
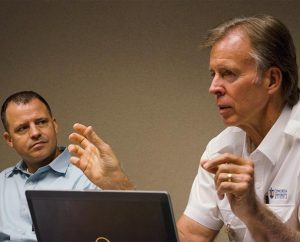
<point x="20" y="126"/>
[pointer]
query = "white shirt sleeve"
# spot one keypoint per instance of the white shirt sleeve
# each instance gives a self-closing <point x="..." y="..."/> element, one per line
<point x="202" y="205"/>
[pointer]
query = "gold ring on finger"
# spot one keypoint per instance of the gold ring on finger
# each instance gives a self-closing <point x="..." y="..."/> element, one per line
<point x="229" y="177"/>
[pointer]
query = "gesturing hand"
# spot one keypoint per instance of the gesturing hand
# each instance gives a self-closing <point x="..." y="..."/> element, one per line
<point x="234" y="176"/>
<point x="96" y="159"/>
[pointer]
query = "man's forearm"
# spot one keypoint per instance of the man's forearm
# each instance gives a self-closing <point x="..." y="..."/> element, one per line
<point x="265" y="226"/>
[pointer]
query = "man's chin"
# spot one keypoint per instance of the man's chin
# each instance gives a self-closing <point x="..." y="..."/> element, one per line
<point x="40" y="156"/>
<point x="229" y="122"/>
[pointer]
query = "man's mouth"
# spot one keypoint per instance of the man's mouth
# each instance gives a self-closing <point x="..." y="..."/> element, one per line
<point x="37" y="144"/>
<point x="225" y="110"/>
<point x="222" y="107"/>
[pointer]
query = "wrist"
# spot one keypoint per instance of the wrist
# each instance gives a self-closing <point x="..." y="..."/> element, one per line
<point x="114" y="180"/>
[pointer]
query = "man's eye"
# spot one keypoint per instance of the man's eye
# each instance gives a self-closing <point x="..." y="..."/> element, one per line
<point x="228" y="73"/>
<point x="21" y="129"/>
<point x="42" y="122"/>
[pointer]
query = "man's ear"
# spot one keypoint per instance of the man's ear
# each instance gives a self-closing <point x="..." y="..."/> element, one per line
<point x="8" y="139"/>
<point x="55" y="125"/>
<point x="274" y="77"/>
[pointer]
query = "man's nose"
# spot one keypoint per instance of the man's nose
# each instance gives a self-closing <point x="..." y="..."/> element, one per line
<point x="216" y="87"/>
<point x="34" y="131"/>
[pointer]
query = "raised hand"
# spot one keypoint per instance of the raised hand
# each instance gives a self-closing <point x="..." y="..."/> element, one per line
<point x="96" y="159"/>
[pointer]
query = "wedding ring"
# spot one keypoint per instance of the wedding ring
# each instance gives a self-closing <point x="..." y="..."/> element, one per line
<point x="229" y="176"/>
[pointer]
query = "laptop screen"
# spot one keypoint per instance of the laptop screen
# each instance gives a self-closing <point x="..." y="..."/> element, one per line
<point x="102" y="216"/>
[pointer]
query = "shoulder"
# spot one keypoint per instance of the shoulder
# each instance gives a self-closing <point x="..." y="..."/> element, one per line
<point x="6" y="171"/>
<point x="293" y="125"/>
<point x="228" y="136"/>
<point x="5" y="174"/>
<point x="229" y="132"/>
<point x="229" y="140"/>
<point x="296" y="111"/>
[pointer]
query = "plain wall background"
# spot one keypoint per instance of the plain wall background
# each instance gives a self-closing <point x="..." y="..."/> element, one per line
<point x="131" y="69"/>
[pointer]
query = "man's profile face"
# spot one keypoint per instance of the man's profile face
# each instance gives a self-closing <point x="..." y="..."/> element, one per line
<point x="240" y="101"/>
<point x="32" y="132"/>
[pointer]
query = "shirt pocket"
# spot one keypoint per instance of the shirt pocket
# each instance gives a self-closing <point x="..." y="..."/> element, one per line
<point x="232" y="223"/>
<point x="284" y="212"/>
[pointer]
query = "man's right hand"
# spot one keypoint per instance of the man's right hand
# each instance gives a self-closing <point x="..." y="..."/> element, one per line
<point x="96" y="159"/>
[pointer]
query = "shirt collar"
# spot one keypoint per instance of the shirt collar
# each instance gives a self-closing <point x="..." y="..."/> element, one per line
<point x="236" y="139"/>
<point x="60" y="164"/>
<point x="275" y="137"/>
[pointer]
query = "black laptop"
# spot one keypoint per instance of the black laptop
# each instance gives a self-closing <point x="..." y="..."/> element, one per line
<point x="102" y="216"/>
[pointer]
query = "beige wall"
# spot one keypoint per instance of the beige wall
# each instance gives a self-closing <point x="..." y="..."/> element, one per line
<point x="132" y="70"/>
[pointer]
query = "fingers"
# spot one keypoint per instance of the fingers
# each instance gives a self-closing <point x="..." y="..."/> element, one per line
<point x="214" y="164"/>
<point x="85" y="136"/>
<point x="233" y="174"/>
<point x="79" y="139"/>
<point x="84" y="148"/>
<point x="247" y="168"/>
<point x="87" y="146"/>
<point x="233" y="178"/>
<point x="88" y="133"/>
<point x="75" y="149"/>
<point x="77" y="152"/>
<point x="80" y="128"/>
<point x="238" y="189"/>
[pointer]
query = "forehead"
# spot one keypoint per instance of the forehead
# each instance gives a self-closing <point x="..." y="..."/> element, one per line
<point x="234" y="48"/>
<point x="20" y="112"/>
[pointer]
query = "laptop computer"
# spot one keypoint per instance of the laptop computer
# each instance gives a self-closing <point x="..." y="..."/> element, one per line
<point x="102" y="216"/>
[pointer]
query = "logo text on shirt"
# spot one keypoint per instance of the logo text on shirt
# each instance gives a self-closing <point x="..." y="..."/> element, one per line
<point x="280" y="194"/>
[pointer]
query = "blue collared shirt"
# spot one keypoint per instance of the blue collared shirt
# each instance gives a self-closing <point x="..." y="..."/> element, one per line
<point x="15" y="219"/>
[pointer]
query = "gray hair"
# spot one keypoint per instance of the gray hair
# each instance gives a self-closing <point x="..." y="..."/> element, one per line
<point x="272" y="45"/>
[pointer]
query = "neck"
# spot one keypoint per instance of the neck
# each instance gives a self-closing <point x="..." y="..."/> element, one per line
<point x="256" y="132"/>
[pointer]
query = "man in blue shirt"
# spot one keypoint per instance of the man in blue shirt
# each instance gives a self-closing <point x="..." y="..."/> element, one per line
<point x="31" y="130"/>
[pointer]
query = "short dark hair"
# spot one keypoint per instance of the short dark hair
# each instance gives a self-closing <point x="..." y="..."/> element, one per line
<point x="22" y="97"/>
<point x="272" y="45"/>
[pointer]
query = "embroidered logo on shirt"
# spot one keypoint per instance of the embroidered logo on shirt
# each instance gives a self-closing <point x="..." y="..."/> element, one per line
<point x="280" y="194"/>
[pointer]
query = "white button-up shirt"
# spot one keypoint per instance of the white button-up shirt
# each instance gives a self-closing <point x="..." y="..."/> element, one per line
<point x="277" y="176"/>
